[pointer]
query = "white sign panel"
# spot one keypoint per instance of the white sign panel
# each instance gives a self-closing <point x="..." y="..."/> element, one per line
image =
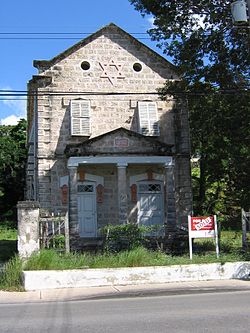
<point x="202" y="227"/>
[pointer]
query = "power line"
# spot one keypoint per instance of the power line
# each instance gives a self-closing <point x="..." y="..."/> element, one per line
<point x="76" y="93"/>
<point x="15" y="94"/>
<point x="60" y="33"/>
<point x="25" y="35"/>
<point x="4" y="92"/>
<point x="57" y="38"/>
<point x="44" y="35"/>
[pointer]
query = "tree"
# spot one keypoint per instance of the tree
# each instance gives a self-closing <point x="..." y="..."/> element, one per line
<point x="201" y="39"/>
<point x="214" y="63"/>
<point x="13" y="155"/>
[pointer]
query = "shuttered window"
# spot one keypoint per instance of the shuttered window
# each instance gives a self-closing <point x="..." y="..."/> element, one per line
<point x="148" y="118"/>
<point x="80" y="117"/>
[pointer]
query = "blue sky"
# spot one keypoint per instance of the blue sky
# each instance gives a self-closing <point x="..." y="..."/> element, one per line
<point x="52" y="16"/>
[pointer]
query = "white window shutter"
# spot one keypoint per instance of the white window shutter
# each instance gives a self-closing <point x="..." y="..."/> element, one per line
<point x="148" y="118"/>
<point x="143" y="118"/>
<point x="153" y="119"/>
<point x="80" y="117"/>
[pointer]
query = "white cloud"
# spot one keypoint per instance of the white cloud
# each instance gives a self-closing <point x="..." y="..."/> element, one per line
<point x="151" y="21"/>
<point x="14" y="106"/>
<point x="10" y="120"/>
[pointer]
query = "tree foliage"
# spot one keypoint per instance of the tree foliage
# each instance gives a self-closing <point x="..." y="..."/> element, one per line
<point x="201" y="39"/>
<point x="13" y="157"/>
<point x="213" y="59"/>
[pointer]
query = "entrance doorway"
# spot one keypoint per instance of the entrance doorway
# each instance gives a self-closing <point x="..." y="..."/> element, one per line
<point x="151" y="205"/>
<point x="86" y="202"/>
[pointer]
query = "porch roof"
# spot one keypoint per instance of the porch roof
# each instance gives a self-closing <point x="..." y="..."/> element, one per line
<point x="120" y="160"/>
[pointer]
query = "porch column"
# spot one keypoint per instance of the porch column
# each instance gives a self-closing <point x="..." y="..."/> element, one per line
<point x="122" y="193"/>
<point x="73" y="200"/>
<point x="170" y="196"/>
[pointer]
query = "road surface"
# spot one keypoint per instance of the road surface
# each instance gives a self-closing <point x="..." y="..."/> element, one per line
<point x="205" y="312"/>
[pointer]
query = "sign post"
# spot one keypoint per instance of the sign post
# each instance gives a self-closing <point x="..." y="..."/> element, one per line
<point x="202" y="227"/>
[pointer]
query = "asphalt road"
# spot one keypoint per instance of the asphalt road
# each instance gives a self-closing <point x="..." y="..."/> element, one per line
<point x="206" y="312"/>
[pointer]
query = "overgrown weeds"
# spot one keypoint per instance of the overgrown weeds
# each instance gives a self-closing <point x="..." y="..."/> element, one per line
<point x="11" y="275"/>
<point x="140" y="256"/>
<point x="136" y="257"/>
<point x="48" y="259"/>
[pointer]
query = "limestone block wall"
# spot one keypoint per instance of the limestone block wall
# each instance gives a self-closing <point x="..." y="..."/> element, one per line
<point x="107" y="111"/>
<point x="111" y="58"/>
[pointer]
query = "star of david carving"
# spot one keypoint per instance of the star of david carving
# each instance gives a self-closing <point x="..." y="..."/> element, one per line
<point x="112" y="71"/>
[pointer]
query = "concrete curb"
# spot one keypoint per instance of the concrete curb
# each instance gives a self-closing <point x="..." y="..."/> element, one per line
<point x="142" y="290"/>
<point x="84" y="278"/>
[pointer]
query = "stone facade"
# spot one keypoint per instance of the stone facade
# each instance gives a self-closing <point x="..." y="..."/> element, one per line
<point x="112" y="71"/>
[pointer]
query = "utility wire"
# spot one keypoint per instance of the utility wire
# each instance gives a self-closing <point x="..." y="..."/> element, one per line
<point x="60" y="33"/>
<point x="55" y="38"/>
<point x="37" y="35"/>
<point x="12" y="91"/>
<point x="23" y="35"/>
<point x="5" y="95"/>
<point x="65" y="93"/>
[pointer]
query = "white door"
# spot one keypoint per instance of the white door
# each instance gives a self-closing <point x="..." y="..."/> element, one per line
<point x="151" y="208"/>
<point x="87" y="209"/>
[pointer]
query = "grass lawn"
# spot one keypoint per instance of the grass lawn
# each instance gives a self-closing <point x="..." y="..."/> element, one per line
<point x="8" y="241"/>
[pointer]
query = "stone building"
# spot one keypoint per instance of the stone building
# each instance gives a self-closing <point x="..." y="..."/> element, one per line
<point x="102" y="144"/>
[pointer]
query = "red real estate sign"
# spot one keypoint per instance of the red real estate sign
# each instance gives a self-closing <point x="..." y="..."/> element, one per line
<point x="202" y="223"/>
<point x="202" y="227"/>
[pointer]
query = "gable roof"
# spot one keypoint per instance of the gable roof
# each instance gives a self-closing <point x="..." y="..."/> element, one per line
<point x="46" y="64"/>
<point x="119" y="142"/>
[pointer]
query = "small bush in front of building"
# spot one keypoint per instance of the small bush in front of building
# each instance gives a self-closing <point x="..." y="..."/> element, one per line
<point x="124" y="237"/>
<point x="57" y="242"/>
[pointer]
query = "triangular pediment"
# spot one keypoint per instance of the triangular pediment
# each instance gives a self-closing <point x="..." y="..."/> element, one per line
<point x="112" y="30"/>
<point x="119" y="142"/>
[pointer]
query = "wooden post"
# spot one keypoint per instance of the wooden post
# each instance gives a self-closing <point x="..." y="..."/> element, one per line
<point x="244" y="229"/>
<point x="66" y="230"/>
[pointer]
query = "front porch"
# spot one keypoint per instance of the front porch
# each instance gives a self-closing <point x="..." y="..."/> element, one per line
<point x="118" y="190"/>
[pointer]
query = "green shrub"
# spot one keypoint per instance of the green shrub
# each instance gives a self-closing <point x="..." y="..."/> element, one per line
<point x="8" y="231"/>
<point x="58" y="242"/>
<point x="121" y="237"/>
<point x="126" y="237"/>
